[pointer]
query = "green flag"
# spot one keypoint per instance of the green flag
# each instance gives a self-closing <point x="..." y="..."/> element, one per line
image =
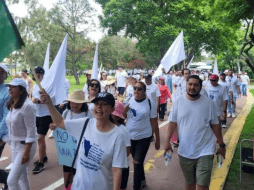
<point x="10" y="38"/>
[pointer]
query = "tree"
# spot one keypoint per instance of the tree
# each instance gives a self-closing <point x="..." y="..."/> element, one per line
<point x="74" y="16"/>
<point x="156" y="24"/>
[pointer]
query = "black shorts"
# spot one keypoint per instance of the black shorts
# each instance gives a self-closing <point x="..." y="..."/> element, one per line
<point x="68" y="169"/>
<point x="125" y="177"/>
<point x="42" y="124"/>
<point x="121" y="90"/>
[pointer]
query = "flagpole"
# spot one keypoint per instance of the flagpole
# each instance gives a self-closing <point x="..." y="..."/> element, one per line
<point x="32" y="68"/>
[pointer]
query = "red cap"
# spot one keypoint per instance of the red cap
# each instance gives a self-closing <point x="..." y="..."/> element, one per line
<point x="214" y="77"/>
<point x="162" y="78"/>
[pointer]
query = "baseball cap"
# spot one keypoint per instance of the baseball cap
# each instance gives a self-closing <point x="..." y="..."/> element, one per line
<point x="4" y="67"/>
<point x="162" y="78"/>
<point x="39" y="69"/>
<point x="226" y="71"/>
<point x="214" y="77"/>
<point x="149" y="76"/>
<point x="17" y="82"/>
<point x="118" y="109"/>
<point x="135" y="77"/>
<point x="105" y="96"/>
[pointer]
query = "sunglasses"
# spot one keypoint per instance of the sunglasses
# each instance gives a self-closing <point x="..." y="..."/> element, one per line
<point x="94" y="84"/>
<point x="138" y="88"/>
<point x="213" y="80"/>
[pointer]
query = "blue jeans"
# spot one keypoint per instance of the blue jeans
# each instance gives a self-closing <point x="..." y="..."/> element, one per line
<point x="244" y="89"/>
<point x="231" y="108"/>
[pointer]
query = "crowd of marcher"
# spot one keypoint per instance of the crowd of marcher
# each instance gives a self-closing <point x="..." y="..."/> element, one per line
<point x="115" y="117"/>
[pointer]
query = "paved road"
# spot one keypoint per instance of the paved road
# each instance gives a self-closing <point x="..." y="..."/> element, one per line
<point x="158" y="176"/>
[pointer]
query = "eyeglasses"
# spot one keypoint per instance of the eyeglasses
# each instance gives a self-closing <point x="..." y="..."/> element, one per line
<point x="138" y="88"/>
<point x="94" y="84"/>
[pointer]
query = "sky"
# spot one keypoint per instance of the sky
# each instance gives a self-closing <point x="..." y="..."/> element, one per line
<point x="20" y="10"/>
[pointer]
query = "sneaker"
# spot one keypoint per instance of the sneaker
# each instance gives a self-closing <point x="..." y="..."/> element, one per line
<point x="51" y="135"/>
<point x="8" y="168"/>
<point x="233" y="115"/>
<point x="38" y="168"/>
<point x="45" y="159"/>
<point x="224" y="126"/>
<point x="143" y="184"/>
<point x="229" y="115"/>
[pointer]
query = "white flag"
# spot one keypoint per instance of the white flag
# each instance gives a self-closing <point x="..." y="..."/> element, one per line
<point x="174" y="55"/>
<point x="238" y="66"/>
<point x="188" y="67"/>
<point x="46" y="61"/>
<point x="215" y="68"/>
<point x="95" y="64"/>
<point x="54" y="81"/>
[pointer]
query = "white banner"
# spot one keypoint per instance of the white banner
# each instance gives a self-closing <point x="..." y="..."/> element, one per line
<point x="46" y="61"/>
<point x="95" y="64"/>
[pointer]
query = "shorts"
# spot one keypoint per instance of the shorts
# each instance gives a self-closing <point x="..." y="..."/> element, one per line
<point x="125" y="177"/>
<point x="68" y="169"/>
<point x="197" y="171"/>
<point x="42" y="124"/>
<point x="121" y="90"/>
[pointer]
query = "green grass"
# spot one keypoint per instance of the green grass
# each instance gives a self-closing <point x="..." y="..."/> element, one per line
<point x="233" y="178"/>
<point x="82" y="80"/>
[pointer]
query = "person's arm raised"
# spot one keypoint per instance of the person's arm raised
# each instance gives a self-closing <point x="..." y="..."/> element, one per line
<point x="55" y="115"/>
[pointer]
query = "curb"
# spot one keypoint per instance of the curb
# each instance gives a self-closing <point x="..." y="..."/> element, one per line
<point x="219" y="175"/>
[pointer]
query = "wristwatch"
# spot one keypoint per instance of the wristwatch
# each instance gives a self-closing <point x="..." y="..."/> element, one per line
<point x="222" y="145"/>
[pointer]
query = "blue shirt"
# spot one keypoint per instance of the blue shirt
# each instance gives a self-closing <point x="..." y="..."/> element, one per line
<point x="169" y="83"/>
<point x="4" y="97"/>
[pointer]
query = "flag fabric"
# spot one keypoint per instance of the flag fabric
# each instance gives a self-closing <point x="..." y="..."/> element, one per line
<point x="46" y="60"/>
<point x="10" y="38"/>
<point x="95" y="64"/>
<point x="215" y="68"/>
<point x="99" y="75"/>
<point x="188" y="67"/>
<point x="238" y="66"/>
<point x="54" y="81"/>
<point x="174" y="55"/>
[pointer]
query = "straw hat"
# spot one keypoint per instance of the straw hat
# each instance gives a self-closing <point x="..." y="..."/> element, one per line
<point x="89" y="72"/>
<point x="77" y="96"/>
<point x="110" y="80"/>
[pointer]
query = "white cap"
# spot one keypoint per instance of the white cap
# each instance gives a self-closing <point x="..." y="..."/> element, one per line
<point x="135" y="77"/>
<point x="4" y="67"/>
<point x="226" y="71"/>
<point x="17" y="82"/>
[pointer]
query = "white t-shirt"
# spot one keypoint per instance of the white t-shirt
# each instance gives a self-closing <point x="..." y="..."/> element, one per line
<point x="138" y="119"/>
<point x="226" y="85"/>
<point x="245" y="79"/>
<point x="41" y="109"/>
<point x="98" y="153"/>
<point x="121" y="77"/>
<point x="233" y="81"/>
<point x="182" y="86"/>
<point x="218" y="95"/>
<point x="129" y="92"/>
<point x="153" y="92"/>
<point x="68" y="114"/>
<point x="127" y="140"/>
<point x="194" y="119"/>
<point x="103" y="84"/>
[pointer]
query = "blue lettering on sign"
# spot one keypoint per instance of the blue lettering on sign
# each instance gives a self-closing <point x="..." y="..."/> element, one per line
<point x="64" y="151"/>
<point x="62" y="136"/>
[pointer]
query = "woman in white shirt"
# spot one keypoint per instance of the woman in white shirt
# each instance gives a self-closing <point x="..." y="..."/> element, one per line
<point x="141" y="116"/>
<point x="22" y="134"/>
<point x="76" y="109"/>
<point x="102" y="153"/>
<point x="93" y="88"/>
<point x="103" y="80"/>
